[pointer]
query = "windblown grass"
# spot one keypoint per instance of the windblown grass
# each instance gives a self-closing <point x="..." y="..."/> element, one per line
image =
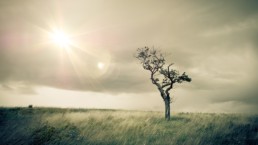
<point x="42" y="126"/>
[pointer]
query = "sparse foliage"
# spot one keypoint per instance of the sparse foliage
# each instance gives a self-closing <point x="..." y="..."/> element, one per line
<point x="162" y="75"/>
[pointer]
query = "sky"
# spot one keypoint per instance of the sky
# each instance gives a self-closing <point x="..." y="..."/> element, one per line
<point x="214" y="42"/>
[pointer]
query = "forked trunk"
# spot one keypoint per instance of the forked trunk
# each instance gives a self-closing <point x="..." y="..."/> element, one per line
<point x="167" y="109"/>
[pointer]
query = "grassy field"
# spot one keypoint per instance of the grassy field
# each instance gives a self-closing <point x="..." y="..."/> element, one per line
<point x="39" y="126"/>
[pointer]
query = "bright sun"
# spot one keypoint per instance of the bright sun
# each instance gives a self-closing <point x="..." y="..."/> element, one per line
<point x="60" y="38"/>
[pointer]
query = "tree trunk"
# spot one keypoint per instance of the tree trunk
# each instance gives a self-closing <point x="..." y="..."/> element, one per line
<point x="167" y="109"/>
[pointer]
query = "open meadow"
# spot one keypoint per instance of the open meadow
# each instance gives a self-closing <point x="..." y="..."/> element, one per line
<point x="40" y="126"/>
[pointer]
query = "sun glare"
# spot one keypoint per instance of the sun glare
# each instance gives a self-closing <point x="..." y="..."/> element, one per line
<point x="61" y="39"/>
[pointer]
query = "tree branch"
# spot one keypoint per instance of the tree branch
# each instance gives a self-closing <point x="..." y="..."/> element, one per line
<point x="165" y="85"/>
<point x="171" y="81"/>
<point x="158" y="85"/>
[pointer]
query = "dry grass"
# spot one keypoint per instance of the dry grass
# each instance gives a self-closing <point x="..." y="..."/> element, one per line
<point x="78" y="126"/>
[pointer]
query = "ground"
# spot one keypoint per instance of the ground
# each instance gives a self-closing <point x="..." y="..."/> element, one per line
<point x="46" y="126"/>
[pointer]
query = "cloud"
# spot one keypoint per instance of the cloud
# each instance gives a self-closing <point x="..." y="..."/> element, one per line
<point x="235" y="28"/>
<point x="17" y="88"/>
<point x="214" y="42"/>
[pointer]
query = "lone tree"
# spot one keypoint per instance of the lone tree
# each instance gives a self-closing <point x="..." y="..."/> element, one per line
<point x="162" y="75"/>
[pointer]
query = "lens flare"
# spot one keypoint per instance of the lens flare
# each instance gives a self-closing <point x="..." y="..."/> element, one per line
<point x="101" y="65"/>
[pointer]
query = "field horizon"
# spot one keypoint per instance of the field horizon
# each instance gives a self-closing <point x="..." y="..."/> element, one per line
<point x="37" y="125"/>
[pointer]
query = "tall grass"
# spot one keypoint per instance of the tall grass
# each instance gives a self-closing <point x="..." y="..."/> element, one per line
<point x="110" y="127"/>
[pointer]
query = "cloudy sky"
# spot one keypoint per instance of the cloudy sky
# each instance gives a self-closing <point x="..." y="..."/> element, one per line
<point x="215" y="42"/>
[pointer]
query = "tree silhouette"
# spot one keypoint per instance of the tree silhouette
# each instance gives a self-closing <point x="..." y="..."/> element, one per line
<point x="162" y="75"/>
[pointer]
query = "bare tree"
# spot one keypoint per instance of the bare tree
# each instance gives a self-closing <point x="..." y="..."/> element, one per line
<point x="162" y="75"/>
